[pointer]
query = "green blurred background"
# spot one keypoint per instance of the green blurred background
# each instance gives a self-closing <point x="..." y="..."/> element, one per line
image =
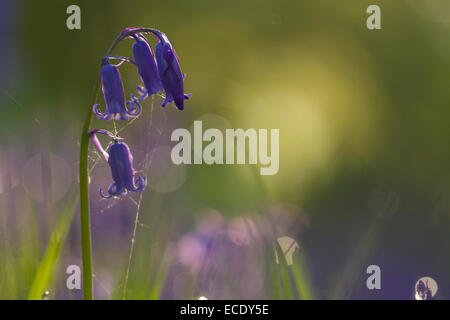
<point x="364" y="172"/>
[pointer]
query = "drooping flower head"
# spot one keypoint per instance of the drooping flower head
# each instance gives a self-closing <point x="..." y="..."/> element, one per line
<point x="120" y="161"/>
<point x="114" y="95"/>
<point x="146" y="64"/>
<point x="170" y="71"/>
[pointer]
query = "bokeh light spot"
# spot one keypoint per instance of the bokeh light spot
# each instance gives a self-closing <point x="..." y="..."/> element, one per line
<point x="163" y="175"/>
<point x="426" y="288"/>
<point x="41" y="172"/>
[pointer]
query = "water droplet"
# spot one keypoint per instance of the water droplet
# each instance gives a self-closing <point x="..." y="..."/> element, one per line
<point x="426" y="288"/>
<point x="46" y="295"/>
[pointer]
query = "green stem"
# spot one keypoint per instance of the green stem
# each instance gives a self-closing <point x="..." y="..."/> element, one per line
<point x="84" y="202"/>
<point x="86" y="245"/>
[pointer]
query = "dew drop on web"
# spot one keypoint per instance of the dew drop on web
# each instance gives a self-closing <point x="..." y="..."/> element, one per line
<point x="425" y="288"/>
<point x="46" y="295"/>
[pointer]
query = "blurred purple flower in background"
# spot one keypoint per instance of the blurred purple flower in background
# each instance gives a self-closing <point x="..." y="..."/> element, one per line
<point x="114" y="95"/>
<point x="223" y="256"/>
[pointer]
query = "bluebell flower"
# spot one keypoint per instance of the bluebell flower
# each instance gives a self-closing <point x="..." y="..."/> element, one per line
<point x="170" y="72"/>
<point x="120" y="161"/>
<point x="146" y="64"/>
<point x="114" y="95"/>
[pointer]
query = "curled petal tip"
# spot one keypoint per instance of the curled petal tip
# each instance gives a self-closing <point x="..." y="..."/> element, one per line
<point x="141" y="90"/>
<point x="96" y="109"/>
<point x="135" y="108"/>
<point x="180" y="104"/>
<point x="141" y="184"/>
<point x="114" y="191"/>
<point x="100" y="114"/>
<point x="103" y="195"/>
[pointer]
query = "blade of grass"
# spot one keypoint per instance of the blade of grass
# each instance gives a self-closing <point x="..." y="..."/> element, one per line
<point x="30" y="250"/>
<point x="301" y="277"/>
<point x="356" y="261"/>
<point x="286" y="281"/>
<point x="158" y="284"/>
<point x="45" y="272"/>
<point x="273" y="278"/>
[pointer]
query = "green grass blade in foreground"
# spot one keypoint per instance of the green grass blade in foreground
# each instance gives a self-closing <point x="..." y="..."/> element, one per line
<point x="301" y="277"/>
<point x="284" y="269"/>
<point x="157" y="286"/>
<point x="45" y="272"/>
<point x="357" y="261"/>
<point x="294" y="277"/>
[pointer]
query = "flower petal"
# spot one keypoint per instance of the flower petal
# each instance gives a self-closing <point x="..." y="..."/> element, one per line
<point x="140" y="184"/>
<point x="99" y="114"/>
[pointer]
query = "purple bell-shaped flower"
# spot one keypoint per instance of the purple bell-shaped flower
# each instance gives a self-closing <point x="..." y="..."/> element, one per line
<point x="114" y="95"/>
<point x="170" y="72"/>
<point x="120" y="161"/>
<point x="146" y="65"/>
<point x="121" y="164"/>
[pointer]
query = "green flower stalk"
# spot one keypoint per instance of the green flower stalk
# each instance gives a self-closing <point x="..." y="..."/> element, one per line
<point x="170" y="62"/>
